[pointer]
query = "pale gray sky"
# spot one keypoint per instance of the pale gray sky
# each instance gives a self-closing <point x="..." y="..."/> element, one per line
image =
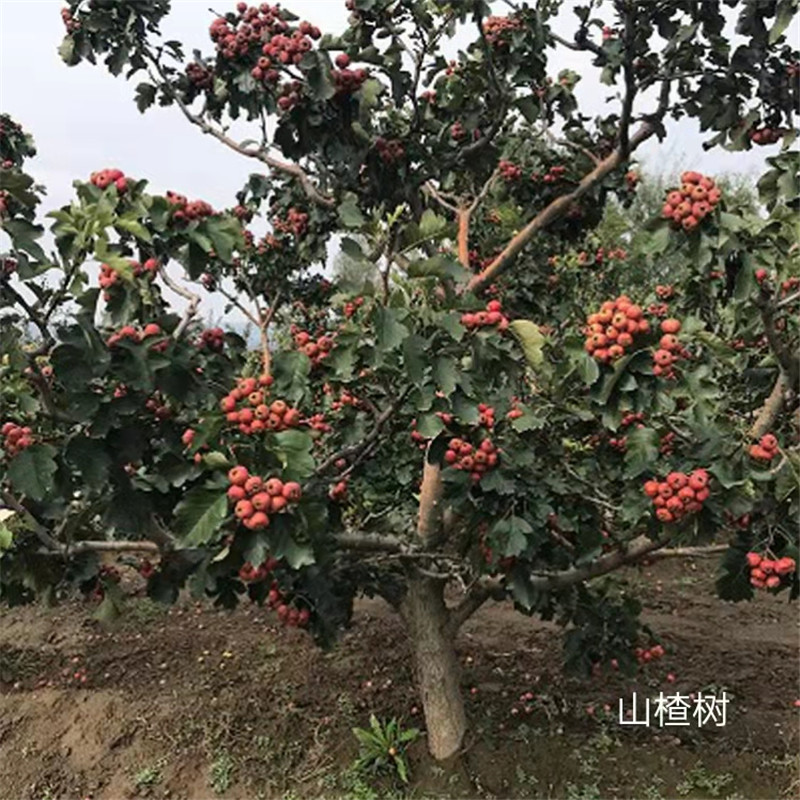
<point x="84" y="119"/>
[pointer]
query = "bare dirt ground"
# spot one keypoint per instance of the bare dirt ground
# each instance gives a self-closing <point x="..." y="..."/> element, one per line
<point x="192" y="702"/>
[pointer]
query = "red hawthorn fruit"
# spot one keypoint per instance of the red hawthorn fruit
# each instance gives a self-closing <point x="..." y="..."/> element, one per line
<point x="292" y="491"/>
<point x="274" y="487"/>
<point x="238" y="475"/>
<point x="236" y="493"/>
<point x="244" y="509"/>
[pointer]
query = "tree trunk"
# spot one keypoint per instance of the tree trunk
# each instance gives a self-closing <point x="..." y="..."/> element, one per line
<point x="436" y="666"/>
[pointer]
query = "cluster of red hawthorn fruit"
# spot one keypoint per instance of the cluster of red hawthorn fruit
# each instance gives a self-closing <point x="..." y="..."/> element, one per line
<point x="201" y="76"/>
<point x="621" y="443"/>
<point x="515" y="412"/>
<point x="16" y="438"/>
<point x="479" y="460"/>
<point x="350" y="307"/>
<point x="105" y="177"/>
<point x="212" y="339"/>
<point x="498" y="29"/>
<point x="109" y="276"/>
<point x="670" y="350"/>
<point x="70" y="23"/>
<point x="185" y="210"/>
<point x="347" y="81"/>
<point x="158" y="406"/>
<point x="136" y="335"/>
<point x="644" y="655"/>
<point x="610" y="331"/>
<point x="695" y="200"/>
<point x="295" y="222"/>
<point x="766" y="135"/>
<point x="553" y="175"/>
<point x="680" y="494"/>
<point x="766" y="449"/>
<point x="665" y="291"/>
<point x="252" y="574"/>
<point x="766" y="573"/>
<point x="255" y="497"/>
<point x="493" y="316"/>
<point x="509" y="171"/>
<point x="390" y="150"/>
<point x="288" y="616"/>
<point x="246" y="406"/>
<point x="262" y="28"/>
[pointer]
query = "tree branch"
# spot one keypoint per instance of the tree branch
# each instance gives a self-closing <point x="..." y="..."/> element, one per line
<point x="191" y="309"/>
<point x="771" y="408"/>
<point x="560" y="205"/>
<point x="369" y="541"/>
<point x="293" y="170"/>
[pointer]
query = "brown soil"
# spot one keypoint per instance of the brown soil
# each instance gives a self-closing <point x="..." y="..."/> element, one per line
<point x="196" y="703"/>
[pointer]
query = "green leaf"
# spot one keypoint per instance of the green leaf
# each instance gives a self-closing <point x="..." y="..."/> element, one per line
<point x="445" y="374"/>
<point x="90" y="458"/>
<point x="130" y="224"/>
<point x="414" y="357"/>
<point x="642" y="451"/>
<point x="349" y="213"/>
<point x="531" y="340"/>
<point x="6" y="536"/>
<point x="199" y="515"/>
<point x="390" y="332"/>
<point x="438" y="266"/>
<point x="145" y="96"/>
<point x="294" y="451"/>
<point x="588" y="369"/>
<point x="31" y="472"/>
<point x="24" y="234"/>
<point x="429" y="425"/>
<point x="431" y="224"/>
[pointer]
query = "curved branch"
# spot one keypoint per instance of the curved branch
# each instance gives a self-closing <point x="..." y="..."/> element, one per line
<point x="191" y="309"/>
<point x="293" y="170"/>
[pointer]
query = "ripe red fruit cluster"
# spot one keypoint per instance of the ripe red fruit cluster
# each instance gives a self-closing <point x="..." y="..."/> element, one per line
<point x="16" y="438"/>
<point x="475" y="460"/>
<point x="486" y="415"/>
<point x="212" y="339"/>
<point x="646" y="655"/>
<point x="186" y="211"/>
<point x="678" y="495"/>
<point x="766" y="573"/>
<point x="498" y="30"/>
<point x="658" y="309"/>
<point x="669" y="351"/>
<point x="350" y="308"/>
<point x="665" y="292"/>
<point x="105" y="177"/>
<point x="315" y="350"/>
<point x="200" y="76"/>
<point x="347" y="81"/>
<point x="509" y="171"/>
<point x="338" y="491"/>
<point x="457" y="131"/>
<point x="766" y="135"/>
<point x="390" y="150"/>
<point x="261" y="29"/>
<point x="610" y="331"/>
<point x="251" y="574"/>
<point x="766" y="449"/>
<point x="159" y="408"/>
<point x="493" y="316"/>
<point x="288" y="616"/>
<point x="135" y="334"/>
<point x="695" y="200"/>
<point x="109" y="276"/>
<point x="70" y="23"/>
<point x="515" y="412"/>
<point x="256" y="497"/>
<point x="790" y="284"/>
<point x="553" y="175"/>
<point x="666" y="445"/>
<point x="247" y="407"/>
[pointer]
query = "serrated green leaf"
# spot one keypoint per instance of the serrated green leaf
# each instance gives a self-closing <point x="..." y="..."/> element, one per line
<point x="200" y="514"/>
<point x="31" y="471"/>
<point x="531" y="339"/>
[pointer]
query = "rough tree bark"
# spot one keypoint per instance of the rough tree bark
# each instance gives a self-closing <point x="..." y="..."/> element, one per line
<point x="432" y="638"/>
<point x="436" y="667"/>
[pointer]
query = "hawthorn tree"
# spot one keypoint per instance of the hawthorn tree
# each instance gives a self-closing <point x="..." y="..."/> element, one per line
<point x="493" y="415"/>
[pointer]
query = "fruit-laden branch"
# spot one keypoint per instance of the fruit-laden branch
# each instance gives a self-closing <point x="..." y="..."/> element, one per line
<point x="191" y="309"/>
<point x="771" y="408"/>
<point x="293" y="170"/>
<point x="640" y="548"/>
<point x="356" y="449"/>
<point x="559" y="207"/>
<point x="788" y="359"/>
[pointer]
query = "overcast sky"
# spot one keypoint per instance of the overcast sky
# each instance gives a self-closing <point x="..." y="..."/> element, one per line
<point x="84" y="119"/>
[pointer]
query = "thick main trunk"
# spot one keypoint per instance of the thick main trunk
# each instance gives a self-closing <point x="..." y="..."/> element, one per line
<point x="436" y="666"/>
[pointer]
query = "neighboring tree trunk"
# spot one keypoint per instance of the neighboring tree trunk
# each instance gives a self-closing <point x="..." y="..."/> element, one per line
<point x="436" y="666"/>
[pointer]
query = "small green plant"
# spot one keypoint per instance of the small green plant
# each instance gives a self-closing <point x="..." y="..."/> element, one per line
<point x="701" y="779"/>
<point x="220" y="773"/>
<point x="148" y="777"/>
<point x="383" y="747"/>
